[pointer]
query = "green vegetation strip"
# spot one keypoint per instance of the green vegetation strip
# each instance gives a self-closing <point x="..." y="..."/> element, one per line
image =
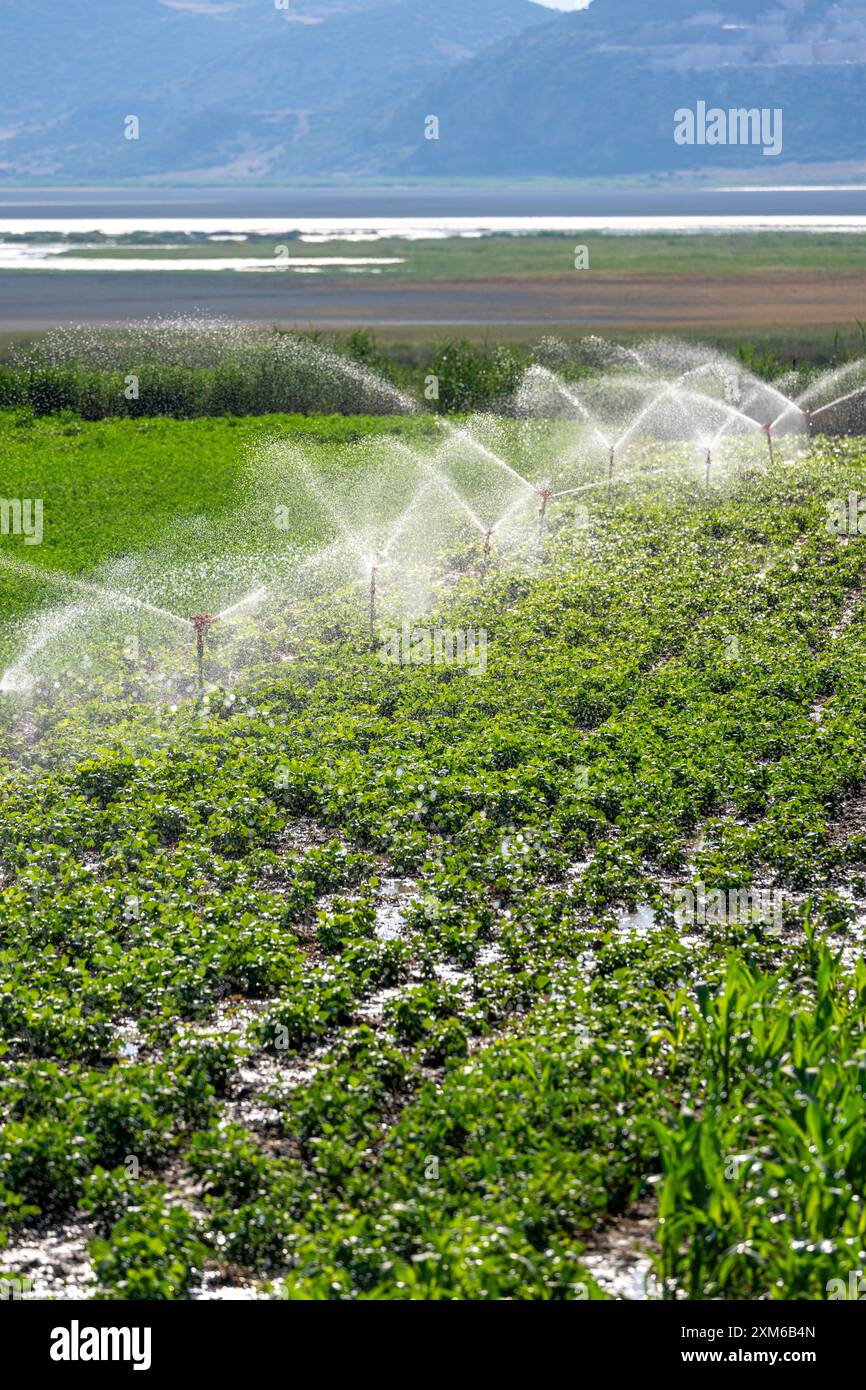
<point x="458" y="258"/>
<point x="454" y="1111"/>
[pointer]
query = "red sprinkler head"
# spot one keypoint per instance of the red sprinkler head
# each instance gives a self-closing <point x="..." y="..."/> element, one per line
<point x="201" y="622"/>
<point x="807" y="416"/>
<point x="768" y="428"/>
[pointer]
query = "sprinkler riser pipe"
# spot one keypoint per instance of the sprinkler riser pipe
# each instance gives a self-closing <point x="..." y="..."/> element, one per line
<point x="485" y="554"/>
<point x="373" y="613"/>
<point x="201" y="622"/>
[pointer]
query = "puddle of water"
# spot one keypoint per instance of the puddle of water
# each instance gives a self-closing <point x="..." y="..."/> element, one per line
<point x="630" y="1278"/>
<point x="371" y="1011"/>
<point x="619" y="1258"/>
<point x="637" y="923"/>
<point x="55" y="1261"/>
<point x="491" y="954"/>
<point x="211" y="1290"/>
<point x="302" y="834"/>
<point x="575" y="870"/>
<point x="393" y="899"/>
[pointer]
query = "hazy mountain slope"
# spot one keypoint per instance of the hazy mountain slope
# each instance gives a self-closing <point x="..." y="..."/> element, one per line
<point x="232" y="89"/>
<point x="595" y="92"/>
<point x="240" y="84"/>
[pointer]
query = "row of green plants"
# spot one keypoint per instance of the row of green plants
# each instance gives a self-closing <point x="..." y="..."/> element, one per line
<point x="305" y="375"/>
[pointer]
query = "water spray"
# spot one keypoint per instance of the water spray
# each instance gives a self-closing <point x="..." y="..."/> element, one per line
<point x="201" y="622"/>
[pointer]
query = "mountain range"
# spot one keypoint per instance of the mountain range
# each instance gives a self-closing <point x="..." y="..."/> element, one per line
<point x="251" y="90"/>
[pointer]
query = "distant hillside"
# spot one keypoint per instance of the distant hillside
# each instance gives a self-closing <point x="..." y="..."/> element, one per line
<point x="595" y="92"/>
<point x="231" y="90"/>
<point x="236" y="88"/>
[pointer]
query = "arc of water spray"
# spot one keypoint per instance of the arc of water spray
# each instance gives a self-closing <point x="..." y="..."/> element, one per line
<point x="462" y="503"/>
<point x="733" y="413"/>
<point x="53" y="626"/>
<point x="404" y="520"/>
<point x="484" y="529"/>
<point x="544" y="494"/>
<point x="248" y="602"/>
<point x="792" y="405"/>
<point x="114" y="597"/>
<point x="574" y="399"/>
<point x="840" y="400"/>
<point x="769" y="426"/>
<point x="465" y="434"/>
<point x="602" y="482"/>
<point x="351" y="541"/>
<point x="641" y="415"/>
<point x="322" y="497"/>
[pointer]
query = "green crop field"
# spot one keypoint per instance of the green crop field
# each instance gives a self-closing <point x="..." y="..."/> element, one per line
<point x="358" y="979"/>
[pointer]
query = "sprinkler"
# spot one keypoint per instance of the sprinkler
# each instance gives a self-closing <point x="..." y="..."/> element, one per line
<point x="485" y="554"/>
<point x="374" y="572"/>
<point x="201" y="622"/>
<point x="709" y="461"/>
<point x="769" y="429"/>
<point x="807" y="416"/>
<point x="610" y="463"/>
<point x="545" y="494"/>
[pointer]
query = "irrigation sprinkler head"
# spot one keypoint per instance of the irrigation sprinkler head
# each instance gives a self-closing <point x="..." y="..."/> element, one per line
<point x="807" y="418"/>
<point x="485" y="554"/>
<point x="545" y="493"/>
<point x="201" y="622"/>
